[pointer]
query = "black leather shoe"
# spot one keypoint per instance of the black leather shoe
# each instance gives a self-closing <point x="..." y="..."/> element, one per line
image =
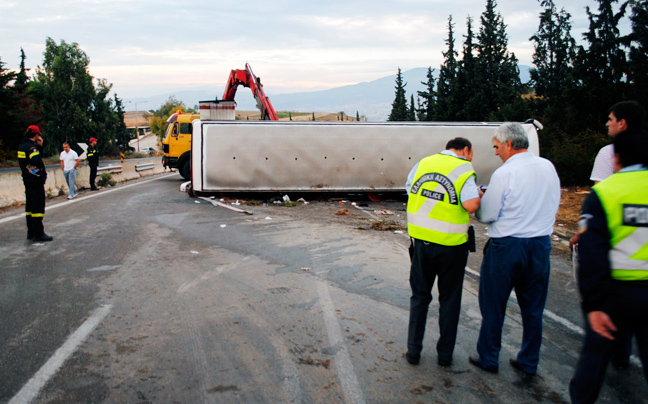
<point x="94" y="189"/>
<point x="43" y="237"/>
<point x="516" y="365"/>
<point x="29" y="237"/>
<point x="474" y="360"/>
<point x="413" y="359"/>
<point x="445" y="362"/>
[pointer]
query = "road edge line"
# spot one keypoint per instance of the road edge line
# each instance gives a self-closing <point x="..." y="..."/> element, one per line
<point x="33" y="387"/>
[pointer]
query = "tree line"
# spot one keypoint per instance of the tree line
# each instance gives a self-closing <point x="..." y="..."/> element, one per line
<point x="64" y="100"/>
<point x="571" y="87"/>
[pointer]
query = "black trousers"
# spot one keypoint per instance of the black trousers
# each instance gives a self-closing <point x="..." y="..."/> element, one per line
<point x="629" y="313"/>
<point x="448" y="264"/>
<point x="93" y="176"/>
<point x="34" y="208"/>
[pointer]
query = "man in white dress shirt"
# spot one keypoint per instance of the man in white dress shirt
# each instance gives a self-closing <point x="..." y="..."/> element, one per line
<point x="520" y="208"/>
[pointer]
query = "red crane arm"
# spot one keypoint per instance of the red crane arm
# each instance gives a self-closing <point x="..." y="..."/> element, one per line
<point x="247" y="78"/>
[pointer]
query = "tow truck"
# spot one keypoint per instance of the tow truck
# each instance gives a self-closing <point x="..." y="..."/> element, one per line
<point x="176" y="143"/>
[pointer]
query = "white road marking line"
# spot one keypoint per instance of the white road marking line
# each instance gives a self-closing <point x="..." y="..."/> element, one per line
<point x="564" y="322"/>
<point x="549" y="314"/>
<point x="346" y="374"/>
<point x="33" y="387"/>
<point x="85" y="197"/>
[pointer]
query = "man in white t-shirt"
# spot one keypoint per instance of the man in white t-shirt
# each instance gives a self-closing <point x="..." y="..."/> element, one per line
<point x="69" y="164"/>
<point x="622" y="116"/>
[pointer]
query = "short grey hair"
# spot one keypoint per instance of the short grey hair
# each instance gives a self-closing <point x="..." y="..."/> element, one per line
<point x="514" y="133"/>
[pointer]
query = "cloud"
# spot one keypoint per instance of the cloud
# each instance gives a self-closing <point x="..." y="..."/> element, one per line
<point x="166" y="46"/>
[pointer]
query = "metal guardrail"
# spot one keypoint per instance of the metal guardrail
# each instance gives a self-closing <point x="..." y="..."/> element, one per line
<point x="145" y="166"/>
<point x="111" y="169"/>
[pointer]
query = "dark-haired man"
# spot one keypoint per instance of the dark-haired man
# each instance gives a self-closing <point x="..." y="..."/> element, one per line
<point x="442" y="193"/>
<point x="622" y="116"/>
<point x="34" y="176"/>
<point x="613" y="265"/>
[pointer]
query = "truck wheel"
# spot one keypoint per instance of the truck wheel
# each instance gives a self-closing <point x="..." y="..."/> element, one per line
<point x="185" y="170"/>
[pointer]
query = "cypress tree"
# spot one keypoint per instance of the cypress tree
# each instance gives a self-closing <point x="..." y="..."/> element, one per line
<point x="426" y="109"/>
<point x="499" y="75"/>
<point x="601" y="66"/>
<point x="411" y="111"/>
<point x="554" y="52"/>
<point x="444" y="108"/>
<point x="399" y="106"/>
<point x="464" y="106"/>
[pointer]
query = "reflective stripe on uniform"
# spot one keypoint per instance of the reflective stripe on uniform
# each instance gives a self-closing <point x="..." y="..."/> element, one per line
<point x="35" y="153"/>
<point x="28" y="213"/>
<point x="631" y="253"/>
<point x="38" y="214"/>
<point x="436" y="225"/>
<point x="21" y="154"/>
<point x="624" y="197"/>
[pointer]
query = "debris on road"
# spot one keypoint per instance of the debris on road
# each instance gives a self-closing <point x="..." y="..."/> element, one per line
<point x="223" y="205"/>
<point x="342" y="212"/>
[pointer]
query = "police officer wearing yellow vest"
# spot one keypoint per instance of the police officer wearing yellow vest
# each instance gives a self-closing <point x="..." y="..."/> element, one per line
<point x="442" y="194"/>
<point x="613" y="265"/>
<point x="34" y="176"/>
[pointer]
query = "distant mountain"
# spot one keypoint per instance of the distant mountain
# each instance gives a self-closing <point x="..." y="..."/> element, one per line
<point x="371" y="99"/>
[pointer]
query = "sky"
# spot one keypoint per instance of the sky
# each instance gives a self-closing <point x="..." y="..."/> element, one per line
<point x="147" y="47"/>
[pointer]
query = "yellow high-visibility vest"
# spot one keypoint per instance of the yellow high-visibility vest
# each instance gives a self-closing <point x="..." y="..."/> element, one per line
<point x="624" y="197"/>
<point x="434" y="209"/>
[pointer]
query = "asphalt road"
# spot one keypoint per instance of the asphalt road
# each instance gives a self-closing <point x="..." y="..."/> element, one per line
<point x="146" y="296"/>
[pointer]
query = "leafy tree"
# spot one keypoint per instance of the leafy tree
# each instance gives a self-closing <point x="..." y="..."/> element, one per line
<point x="555" y="50"/>
<point x="428" y="98"/>
<point x="638" y="41"/>
<point x="159" y="119"/>
<point x="443" y="110"/>
<point x="122" y="136"/>
<point x="103" y="118"/>
<point x="313" y="116"/>
<point x="64" y="89"/>
<point x="7" y="106"/>
<point x="399" y="106"/>
<point x="499" y="73"/>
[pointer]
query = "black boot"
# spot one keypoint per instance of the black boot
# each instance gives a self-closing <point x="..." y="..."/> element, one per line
<point x="43" y="237"/>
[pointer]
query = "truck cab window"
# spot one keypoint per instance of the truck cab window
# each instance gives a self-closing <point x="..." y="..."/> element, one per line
<point x="185" y="128"/>
<point x="175" y="130"/>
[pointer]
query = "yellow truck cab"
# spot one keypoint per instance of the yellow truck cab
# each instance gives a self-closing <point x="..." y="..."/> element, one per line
<point x="177" y="143"/>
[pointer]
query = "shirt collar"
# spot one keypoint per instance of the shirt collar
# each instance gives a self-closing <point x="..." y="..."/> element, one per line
<point x="634" y="167"/>
<point x="451" y="153"/>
